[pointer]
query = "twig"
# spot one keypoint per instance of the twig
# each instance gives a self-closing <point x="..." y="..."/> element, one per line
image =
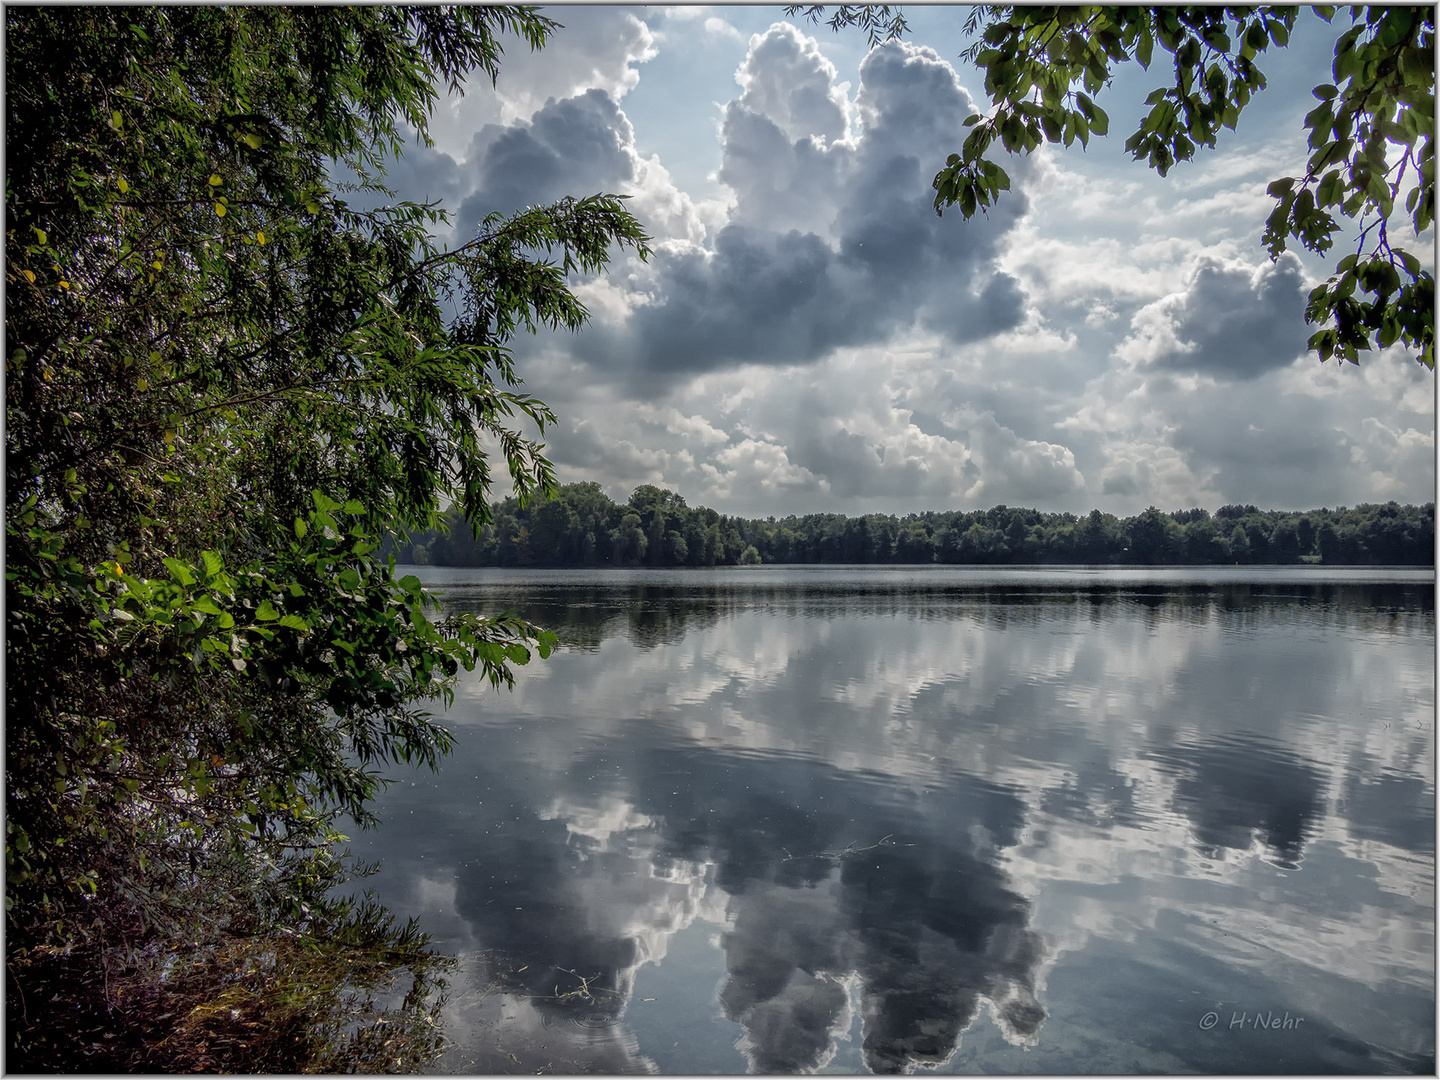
<point x="848" y="849"/>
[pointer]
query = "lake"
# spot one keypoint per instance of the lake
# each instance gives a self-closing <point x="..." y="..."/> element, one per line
<point x="1014" y="820"/>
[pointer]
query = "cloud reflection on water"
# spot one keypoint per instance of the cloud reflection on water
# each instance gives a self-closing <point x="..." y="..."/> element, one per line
<point x="871" y="792"/>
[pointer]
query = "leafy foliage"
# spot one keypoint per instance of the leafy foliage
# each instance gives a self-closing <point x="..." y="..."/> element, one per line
<point x="1370" y="136"/>
<point x="223" y="382"/>
<point x="880" y="22"/>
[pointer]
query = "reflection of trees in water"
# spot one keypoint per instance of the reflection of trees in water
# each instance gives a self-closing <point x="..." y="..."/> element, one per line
<point x="583" y="618"/>
<point x="1235" y="789"/>
<point x="652" y="614"/>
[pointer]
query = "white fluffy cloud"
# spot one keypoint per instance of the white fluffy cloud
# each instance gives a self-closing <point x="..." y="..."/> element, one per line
<point x="598" y="48"/>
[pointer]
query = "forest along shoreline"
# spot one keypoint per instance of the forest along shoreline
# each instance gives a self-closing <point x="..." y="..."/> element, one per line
<point x="583" y="527"/>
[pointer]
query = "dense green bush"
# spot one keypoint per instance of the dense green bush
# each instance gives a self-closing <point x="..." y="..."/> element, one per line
<point x="223" y="384"/>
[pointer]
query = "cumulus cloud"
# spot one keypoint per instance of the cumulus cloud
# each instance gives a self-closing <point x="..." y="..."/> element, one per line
<point x="575" y="146"/>
<point x="779" y="182"/>
<point x="568" y="146"/>
<point x="1231" y="322"/>
<point x="550" y="127"/>
<point x="786" y="79"/>
<point x="597" y="48"/>
<point x="755" y="464"/>
<point x="833" y="241"/>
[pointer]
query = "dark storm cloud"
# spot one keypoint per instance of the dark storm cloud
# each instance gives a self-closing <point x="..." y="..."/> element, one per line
<point x="426" y="175"/>
<point x="849" y="460"/>
<point x="1239" y="324"/>
<point x="973" y="314"/>
<point x="422" y="175"/>
<point x="577" y="147"/>
<point x="1123" y="484"/>
<point x="758" y="296"/>
<point x="771" y="298"/>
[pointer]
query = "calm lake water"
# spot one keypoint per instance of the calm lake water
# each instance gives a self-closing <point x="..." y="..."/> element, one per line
<point x="1026" y="820"/>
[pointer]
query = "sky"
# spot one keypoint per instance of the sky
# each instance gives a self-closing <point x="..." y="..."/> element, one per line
<point x="810" y="336"/>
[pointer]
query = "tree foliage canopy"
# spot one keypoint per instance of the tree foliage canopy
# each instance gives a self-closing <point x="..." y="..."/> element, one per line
<point x="582" y="527"/>
<point x="223" y="383"/>
<point x="1370" y="136"/>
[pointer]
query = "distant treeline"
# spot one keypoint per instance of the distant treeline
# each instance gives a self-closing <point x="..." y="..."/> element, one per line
<point x="582" y="527"/>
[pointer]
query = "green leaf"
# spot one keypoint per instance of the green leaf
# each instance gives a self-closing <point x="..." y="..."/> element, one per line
<point x="179" y="571"/>
<point x="267" y="612"/>
<point x="1216" y="38"/>
<point x="213" y="565"/>
<point x="294" y="622"/>
<point x="1395" y="27"/>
